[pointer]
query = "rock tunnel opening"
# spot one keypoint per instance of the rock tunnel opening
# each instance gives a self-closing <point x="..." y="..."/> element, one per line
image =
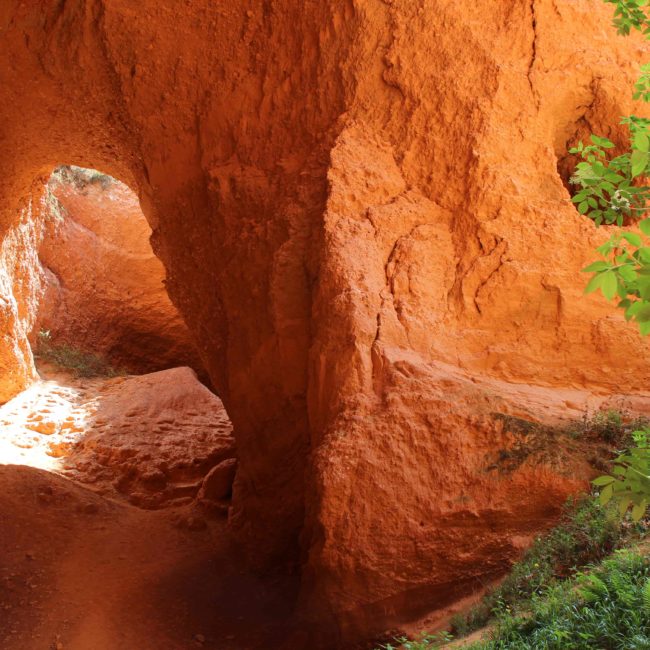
<point x="120" y="403"/>
<point x="117" y="450"/>
<point x="103" y="288"/>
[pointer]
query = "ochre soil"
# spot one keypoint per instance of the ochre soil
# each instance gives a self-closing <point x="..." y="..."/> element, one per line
<point x="79" y="571"/>
<point x="82" y="568"/>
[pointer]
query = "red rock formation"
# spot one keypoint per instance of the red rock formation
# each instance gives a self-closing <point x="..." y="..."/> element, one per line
<point x="362" y="222"/>
<point x="21" y="288"/>
<point x="105" y="290"/>
<point x="151" y="439"/>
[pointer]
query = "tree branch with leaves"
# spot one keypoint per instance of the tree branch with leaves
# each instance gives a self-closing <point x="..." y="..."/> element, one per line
<point x="615" y="190"/>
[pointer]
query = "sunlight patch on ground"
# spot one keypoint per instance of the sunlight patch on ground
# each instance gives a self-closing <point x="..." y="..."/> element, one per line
<point x="39" y="427"/>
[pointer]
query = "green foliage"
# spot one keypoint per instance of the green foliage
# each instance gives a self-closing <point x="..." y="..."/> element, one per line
<point x="545" y="577"/>
<point x="625" y="273"/>
<point x="614" y="190"/>
<point x="629" y="482"/>
<point x="608" y="194"/>
<point x="80" y="363"/>
<point x="587" y="532"/>
<point x="606" y="608"/>
<point x="630" y="14"/>
<point x="81" y="177"/>
<point x="611" y="191"/>
<point x="424" y="642"/>
<point x="642" y="86"/>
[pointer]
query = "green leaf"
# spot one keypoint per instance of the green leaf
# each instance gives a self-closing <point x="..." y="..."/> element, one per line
<point x="633" y="238"/>
<point x="594" y="283"/>
<point x="623" y="505"/>
<point x="606" y="495"/>
<point x="602" y="142"/>
<point x="643" y="287"/>
<point x="595" y="267"/>
<point x="638" y="161"/>
<point x="628" y="274"/>
<point x="583" y="207"/>
<point x="638" y="511"/>
<point x="603" y="480"/>
<point x="605" y="248"/>
<point x="641" y="141"/>
<point x="608" y="284"/>
<point x="642" y="314"/>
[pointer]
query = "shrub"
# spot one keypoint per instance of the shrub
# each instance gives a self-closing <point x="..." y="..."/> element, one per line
<point x="616" y="190"/>
<point x="629" y="482"/>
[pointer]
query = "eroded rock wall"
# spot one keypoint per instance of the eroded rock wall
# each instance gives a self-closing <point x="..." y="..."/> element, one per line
<point x="22" y="283"/>
<point x="362" y="222"/>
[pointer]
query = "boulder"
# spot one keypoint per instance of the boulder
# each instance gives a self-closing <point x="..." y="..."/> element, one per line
<point x="217" y="484"/>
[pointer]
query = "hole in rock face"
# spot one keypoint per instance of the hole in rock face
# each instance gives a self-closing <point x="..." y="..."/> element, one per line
<point x="119" y="406"/>
<point x="117" y="464"/>
<point x="104" y="288"/>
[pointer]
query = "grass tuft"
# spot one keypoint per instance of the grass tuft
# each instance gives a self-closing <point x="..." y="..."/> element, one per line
<point x="607" y="607"/>
<point x="79" y="362"/>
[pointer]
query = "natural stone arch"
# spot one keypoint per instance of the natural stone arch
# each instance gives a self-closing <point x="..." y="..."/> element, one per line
<point x="299" y="172"/>
<point x="94" y="104"/>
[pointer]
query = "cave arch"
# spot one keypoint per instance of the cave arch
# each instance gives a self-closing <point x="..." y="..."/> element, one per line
<point x="103" y="288"/>
<point x="314" y="188"/>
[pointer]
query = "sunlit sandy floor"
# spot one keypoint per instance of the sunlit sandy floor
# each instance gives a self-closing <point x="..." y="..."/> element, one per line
<point x="83" y="570"/>
<point x="40" y="425"/>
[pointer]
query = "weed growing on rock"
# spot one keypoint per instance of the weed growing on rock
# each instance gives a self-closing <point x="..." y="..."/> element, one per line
<point x="552" y="445"/>
<point x="428" y="641"/>
<point x="81" y="177"/>
<point x="80" y="363"/>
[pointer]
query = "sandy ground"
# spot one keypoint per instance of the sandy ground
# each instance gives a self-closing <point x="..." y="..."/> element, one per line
<point x="81" y="570"/>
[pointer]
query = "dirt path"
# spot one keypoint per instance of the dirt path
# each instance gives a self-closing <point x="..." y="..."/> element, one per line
<point x="80" y="572"/>
<point x="83" y="569"/>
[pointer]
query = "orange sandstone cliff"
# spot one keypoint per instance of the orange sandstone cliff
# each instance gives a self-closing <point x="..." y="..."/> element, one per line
<point x="361" y="212"/>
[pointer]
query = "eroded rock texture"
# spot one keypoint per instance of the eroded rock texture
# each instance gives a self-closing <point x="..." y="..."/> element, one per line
<point x="104" y="287"/>
<point x="362" y="221"/>
<point x="150" y="439"/>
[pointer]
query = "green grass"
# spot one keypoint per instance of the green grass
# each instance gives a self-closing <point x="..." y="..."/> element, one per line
<point x="586" y="534"/>
<point x="607" y="608"/>
<point x="79" y="362"/>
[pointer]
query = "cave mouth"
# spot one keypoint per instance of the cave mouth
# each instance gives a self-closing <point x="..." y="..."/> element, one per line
<point x="117" y="463"/>
<point x="119" y="405"/>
